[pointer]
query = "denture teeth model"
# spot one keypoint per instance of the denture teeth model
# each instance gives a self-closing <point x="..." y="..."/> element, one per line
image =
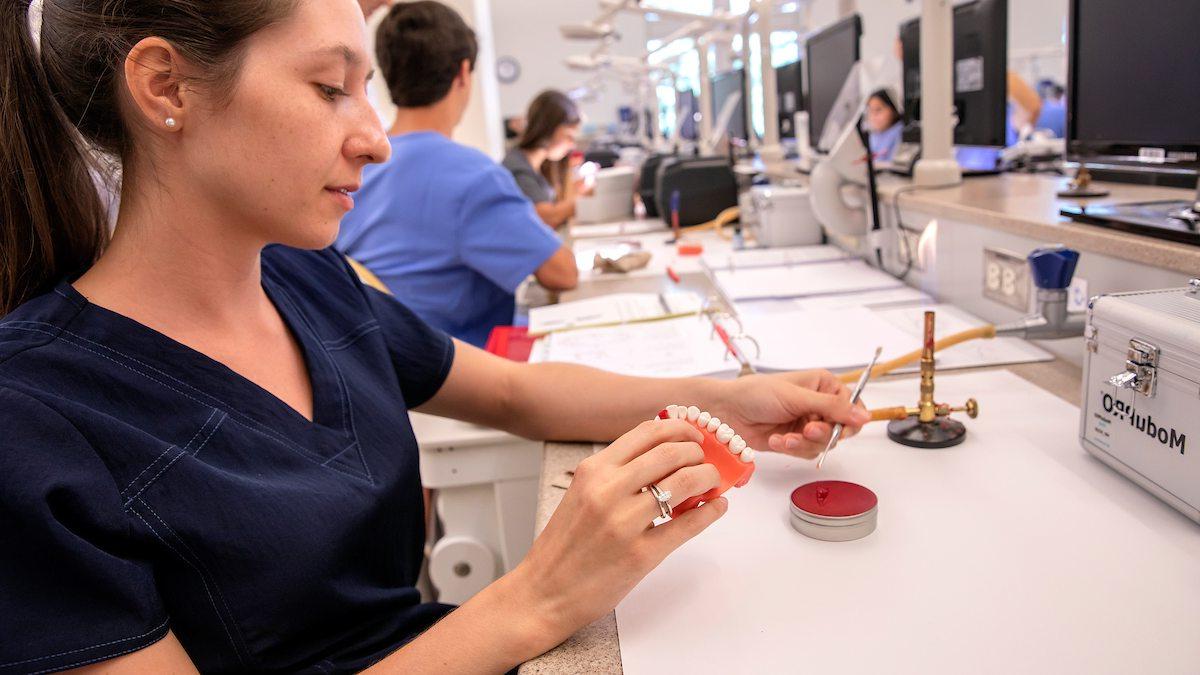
<point x="723" y="448"/>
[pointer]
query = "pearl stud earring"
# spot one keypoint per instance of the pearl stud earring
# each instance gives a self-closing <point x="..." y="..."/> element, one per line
<point x="171" y="123"/>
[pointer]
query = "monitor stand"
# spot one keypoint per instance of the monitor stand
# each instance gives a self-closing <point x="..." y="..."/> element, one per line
<point x="805" y="163"/>
<point x="904" y="158"/>
<point x="1082" y="186"/>
<point x="906" y="155"/>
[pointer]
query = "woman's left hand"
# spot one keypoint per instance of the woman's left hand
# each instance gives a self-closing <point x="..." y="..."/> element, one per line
<point x="791" y="413"/>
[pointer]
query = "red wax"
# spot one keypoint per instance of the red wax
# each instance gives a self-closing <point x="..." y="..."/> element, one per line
<point x="834" y="499"/>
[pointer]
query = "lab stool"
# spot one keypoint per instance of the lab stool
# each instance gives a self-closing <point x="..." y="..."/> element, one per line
<point x="485" y="495"/>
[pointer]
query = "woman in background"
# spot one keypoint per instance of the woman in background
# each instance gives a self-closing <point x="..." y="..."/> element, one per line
<point x="541" y="162"/>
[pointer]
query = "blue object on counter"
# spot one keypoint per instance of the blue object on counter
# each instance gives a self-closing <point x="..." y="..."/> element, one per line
<point x="1053" y="267"/>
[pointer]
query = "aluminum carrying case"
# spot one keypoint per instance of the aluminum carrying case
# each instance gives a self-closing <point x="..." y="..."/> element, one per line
<point x="1141" y="396"/>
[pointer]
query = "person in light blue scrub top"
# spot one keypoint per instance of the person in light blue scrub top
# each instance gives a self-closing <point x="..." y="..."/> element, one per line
<point x="443" y="226"/>
<point x="884" y="124"/>
<point x="1053" y="117"/>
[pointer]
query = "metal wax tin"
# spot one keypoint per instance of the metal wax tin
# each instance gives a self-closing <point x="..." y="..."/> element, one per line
<point x="834" y="510"/>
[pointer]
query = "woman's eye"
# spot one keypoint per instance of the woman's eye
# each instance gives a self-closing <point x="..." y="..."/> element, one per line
<point x="330" y="93"/>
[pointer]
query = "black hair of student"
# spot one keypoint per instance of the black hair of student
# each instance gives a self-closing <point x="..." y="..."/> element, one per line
<point x="420" y="47"/>
<point x="548" y="111"/>
<point x="61" y="115"/>
<point x="887" y="101"/>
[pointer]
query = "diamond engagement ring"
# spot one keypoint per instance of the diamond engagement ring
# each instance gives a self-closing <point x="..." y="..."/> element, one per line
<point x="663" y="497"/>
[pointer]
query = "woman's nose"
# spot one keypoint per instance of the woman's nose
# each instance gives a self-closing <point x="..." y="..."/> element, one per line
<point x="368" y="141"/>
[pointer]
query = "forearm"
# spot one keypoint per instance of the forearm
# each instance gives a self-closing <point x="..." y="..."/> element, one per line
<point x="567" y="402"/>
<point x="560" y="401"/>
<point x="555" y="214"/>
<point x="498" y="629"/>
<point x="1024" y="96"/>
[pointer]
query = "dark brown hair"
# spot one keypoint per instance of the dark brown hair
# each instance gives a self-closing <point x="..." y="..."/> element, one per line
<point x="60" y="110"/>
<point x="547" y="112"/>
<point x="886" y="99"/>
<point x="420" y="47"/>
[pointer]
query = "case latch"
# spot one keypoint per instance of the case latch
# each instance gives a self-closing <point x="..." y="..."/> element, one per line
<point x="1141" y="369"/>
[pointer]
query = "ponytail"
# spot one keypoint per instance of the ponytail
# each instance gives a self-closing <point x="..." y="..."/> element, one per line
<point x="52" y="223"/>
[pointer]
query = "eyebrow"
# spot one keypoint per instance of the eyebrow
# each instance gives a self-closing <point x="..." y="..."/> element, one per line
<point x="349" y="55"/>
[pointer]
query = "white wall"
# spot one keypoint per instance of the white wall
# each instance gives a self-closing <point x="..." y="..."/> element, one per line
<point x="527" y="30"/>
<point x="481" y="126"/>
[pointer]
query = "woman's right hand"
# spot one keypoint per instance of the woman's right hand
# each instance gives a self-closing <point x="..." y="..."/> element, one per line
<point x="600" y="543"/>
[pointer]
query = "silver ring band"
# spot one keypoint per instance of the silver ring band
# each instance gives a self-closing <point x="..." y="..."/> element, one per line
<point x="663" y="499"/>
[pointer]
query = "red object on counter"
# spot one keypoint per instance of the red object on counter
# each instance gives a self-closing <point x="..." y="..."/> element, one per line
<point x="734" y="472"/>
<point x="834" y="499"/>
<point x="511" y="342"/>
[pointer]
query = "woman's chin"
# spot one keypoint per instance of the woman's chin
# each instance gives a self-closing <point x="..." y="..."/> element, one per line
<point x="315" y="237"/>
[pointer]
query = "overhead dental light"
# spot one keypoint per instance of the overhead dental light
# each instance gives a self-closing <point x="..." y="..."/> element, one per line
<point x="588" y="31"/>
<point x="583" y="62"/>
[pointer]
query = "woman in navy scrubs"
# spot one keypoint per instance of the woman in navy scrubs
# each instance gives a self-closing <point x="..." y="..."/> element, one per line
<point x="205" y="456"/>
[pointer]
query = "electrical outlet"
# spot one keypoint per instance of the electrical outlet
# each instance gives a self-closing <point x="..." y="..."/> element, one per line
<point x="912" y="249"/>
<point x="1006" y="279"/>
<point x="1077" y="295"/>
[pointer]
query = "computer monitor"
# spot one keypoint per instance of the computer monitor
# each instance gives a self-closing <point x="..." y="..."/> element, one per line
<point x="980" y="74"/>
<point x="685" y="113"/>
<point x="1133" y="94"/>
<point x="830" y="54"/>
<point x="725" y="86"/>
<point x="790" y="90"/>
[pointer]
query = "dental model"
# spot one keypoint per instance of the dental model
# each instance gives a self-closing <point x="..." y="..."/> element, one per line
<point x="723" y="449"/>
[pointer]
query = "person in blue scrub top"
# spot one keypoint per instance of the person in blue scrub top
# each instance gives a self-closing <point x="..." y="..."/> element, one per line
<point x="884" y="125"/>
<point x="443" y="226"/>
<point x="1024" y="108"/>
<point x="206" y="459"/>
<point x="1053" y="115"/>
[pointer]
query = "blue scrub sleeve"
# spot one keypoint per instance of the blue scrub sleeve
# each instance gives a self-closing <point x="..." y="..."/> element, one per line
<point x="500" y="235"/>
<point x="73" y="584"/>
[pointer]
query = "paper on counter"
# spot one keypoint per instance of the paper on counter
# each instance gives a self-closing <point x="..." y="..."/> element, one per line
<point x="839" y="339"/>
<point x="617" y="229"/>
<point x="772" y="257"/>
<point x="892" y="297"/>
<point x="617" y="308"/>
<point x="682" y="347"/>
<point x="836" y="339"/>
<point x="842" y="276"/>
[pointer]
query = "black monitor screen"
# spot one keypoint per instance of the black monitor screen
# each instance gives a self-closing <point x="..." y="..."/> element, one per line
<point x="830" y="55"/>
<point x="1134" y="84"/>
<point x="788" y="86"/>
<point x="685" y="112"/>
<point x="979" y="70"/>
<point x="724" y="86"/>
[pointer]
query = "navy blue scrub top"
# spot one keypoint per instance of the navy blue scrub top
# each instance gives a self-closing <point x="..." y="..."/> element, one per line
<point x="145" y="486"/>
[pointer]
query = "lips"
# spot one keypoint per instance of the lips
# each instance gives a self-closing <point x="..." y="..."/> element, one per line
<point x="342" y="193"/>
